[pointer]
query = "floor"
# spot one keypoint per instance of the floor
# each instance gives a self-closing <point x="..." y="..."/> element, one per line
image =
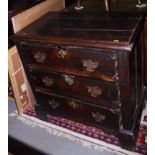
<point x="25" y="140"/>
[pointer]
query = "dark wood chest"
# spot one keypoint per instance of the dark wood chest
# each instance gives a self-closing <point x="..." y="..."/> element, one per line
<point x="88" y="67"/>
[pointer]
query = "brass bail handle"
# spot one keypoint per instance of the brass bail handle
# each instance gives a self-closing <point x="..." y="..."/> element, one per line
<point x="53" y="104"/>
<point x="69" y="79"/>
<point x="39" y="56"/>
<point x="94" y="91"/>
<point x="98" y="117"/>
<point x="47" y="81"/>
<point x="90" y="65"/>
<point x="73" y="104"/>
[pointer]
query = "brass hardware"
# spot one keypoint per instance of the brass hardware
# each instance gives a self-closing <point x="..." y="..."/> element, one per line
<point x="94" y="91"/>
<point x="62" y="53"/>
<point x="116" y="41"/>
<point x="90" y="65"/>
<point x="40" y="57"/>
<point x="98" y="117"/>
<point x="53" y="104"/>
<point x="69" y="79"/>
<point x="47" y="81"/>
<point x="73" y="104"/>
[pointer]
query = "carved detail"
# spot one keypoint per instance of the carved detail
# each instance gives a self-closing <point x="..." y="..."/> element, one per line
<point x="69" y="79"/>
<point x="90" y="65"/>
<point x="53" y="104"/>
<point x="98" y="117"/>
<point x="47" y="81"/>
<point x="94" y="91"/>
<point x="39" y="56"/>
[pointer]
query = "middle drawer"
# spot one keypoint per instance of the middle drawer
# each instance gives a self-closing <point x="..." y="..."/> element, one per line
<point x="86" y="89"/>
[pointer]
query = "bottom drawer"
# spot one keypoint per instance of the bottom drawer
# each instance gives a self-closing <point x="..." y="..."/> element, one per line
<point x="77" y="110"/>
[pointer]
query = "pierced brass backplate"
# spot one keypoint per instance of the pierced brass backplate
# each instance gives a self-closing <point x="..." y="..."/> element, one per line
<point x="53" y="104"/>
<point x="39" y="56"/>
<point x="69" y="79"/>
<point x="90" y="65"/>
<point x="98" y="117"/>
<point x="94" y="91"/>
<point x="47" y="81"/>
<point x="73" y="104"/>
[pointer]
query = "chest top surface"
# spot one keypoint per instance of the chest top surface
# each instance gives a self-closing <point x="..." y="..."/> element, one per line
<point x="97" y="29"/>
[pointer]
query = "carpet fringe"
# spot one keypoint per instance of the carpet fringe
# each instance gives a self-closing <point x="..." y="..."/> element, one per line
<point x="59" y="133"/>
<point x="85" y="141"/>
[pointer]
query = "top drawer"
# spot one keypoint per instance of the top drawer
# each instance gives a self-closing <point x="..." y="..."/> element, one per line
<point x="71" y="60"/>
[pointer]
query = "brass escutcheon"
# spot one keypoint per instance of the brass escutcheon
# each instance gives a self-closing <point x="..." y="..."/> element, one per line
<point x="47" y="81"/>
<point x="94" y="91"/>
<point x="73" y="104"/>
<point x="90" y="65"/>
<point x="69" y="79"/>
<point x="53" y="104"/>
<point x="98" y="117"/>
<point x="39" y="57"/>
<point x="62" y="53"/>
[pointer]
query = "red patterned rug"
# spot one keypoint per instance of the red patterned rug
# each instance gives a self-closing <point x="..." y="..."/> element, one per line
<point x="97" y="134"/>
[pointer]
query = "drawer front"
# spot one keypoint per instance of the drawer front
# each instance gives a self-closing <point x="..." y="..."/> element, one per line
<point x="77" y="110"/>
<point x="77" y="61"/>
<point x="89" y="90"/>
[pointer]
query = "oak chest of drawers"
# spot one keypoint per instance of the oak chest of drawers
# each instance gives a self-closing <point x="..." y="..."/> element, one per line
<point x="88" y="67"/>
